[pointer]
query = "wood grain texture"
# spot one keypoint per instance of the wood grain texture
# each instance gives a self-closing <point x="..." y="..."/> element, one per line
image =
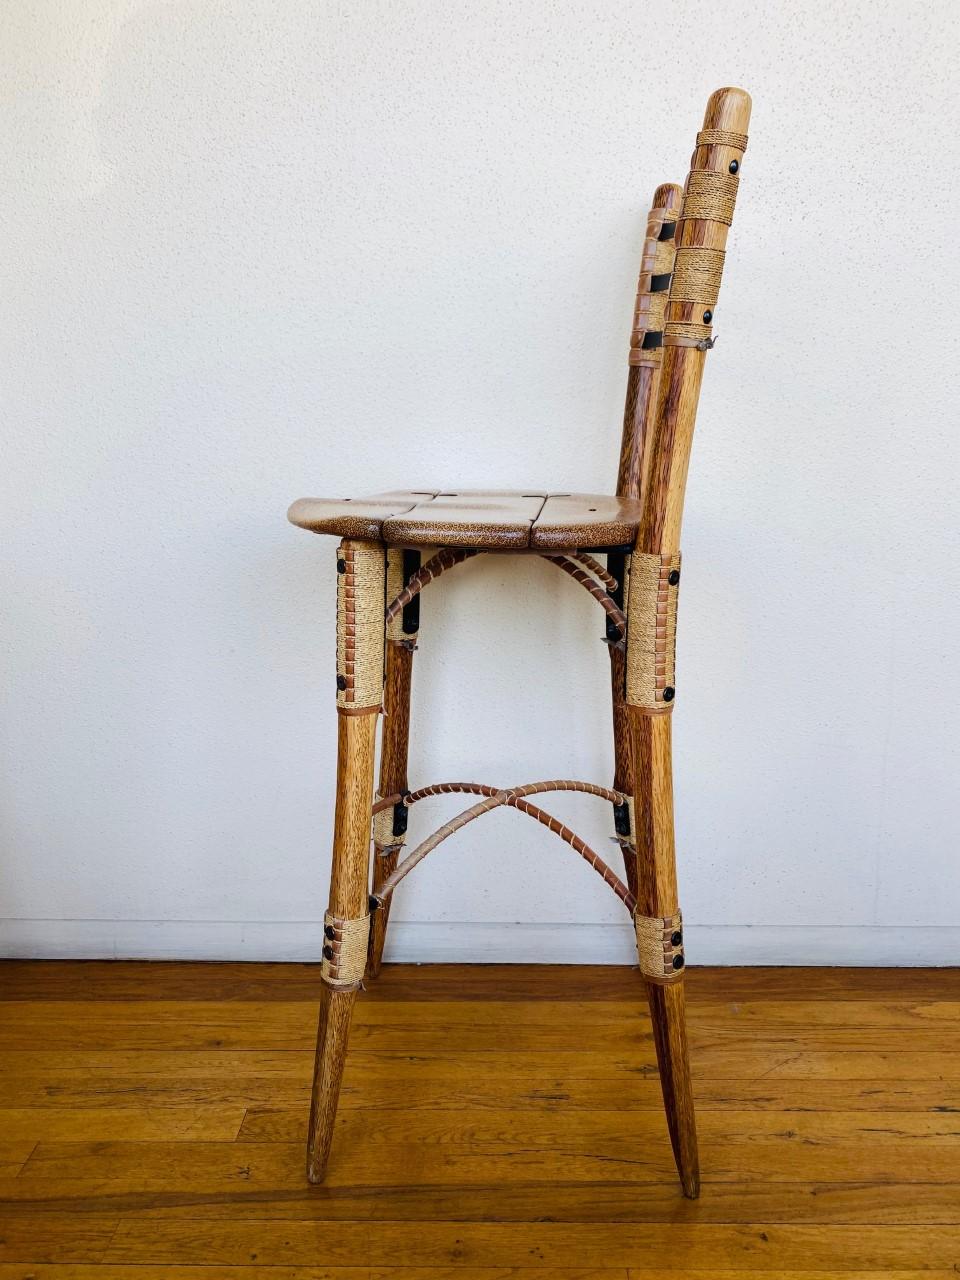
<point x="493" y="520"/>
<point x="395" y="737"/>
<point x="657" y="896"/>
<point x="643" y="379"/>
<point x="349" y="887"/>
<point x="495" y="1122"/>
<point x="665" y="450"/>
<point x="667" y="445"/>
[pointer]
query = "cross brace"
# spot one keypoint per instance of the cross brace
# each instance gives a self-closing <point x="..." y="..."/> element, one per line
<point x="494" y="798"/>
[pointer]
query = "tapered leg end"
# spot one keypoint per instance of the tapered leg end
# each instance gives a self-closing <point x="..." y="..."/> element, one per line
<point x="336" y="1008"/>
<point x="668" y="1015"/>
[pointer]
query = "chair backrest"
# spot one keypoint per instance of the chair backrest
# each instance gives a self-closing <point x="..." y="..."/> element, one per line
<point x="666" y="364"/>
<point x="646" y="338"/>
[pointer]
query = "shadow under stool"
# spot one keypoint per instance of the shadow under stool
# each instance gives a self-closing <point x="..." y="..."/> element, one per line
<point x="394" y="544"/>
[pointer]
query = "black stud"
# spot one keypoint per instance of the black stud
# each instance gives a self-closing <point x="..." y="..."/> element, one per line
<point x="328" y="953"/>
<point x="707" y="316"/>
<point x="621" y="819"/>
<point x="341" y="566"/>
<point x="329" y="932"/>
<point x="678" y="962"/>
<point x="674" y="577"/>
<point x="341" y="682"/>
<point x="676" y="938"/>
<point x="734" y="166"/>
<point x="669" y="693"/>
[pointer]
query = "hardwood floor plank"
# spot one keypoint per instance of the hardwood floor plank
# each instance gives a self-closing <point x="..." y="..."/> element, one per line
<point x="52" y="1238"/>
<point x="135" y="1017"/>
<point x="732" y="1050"/>
<point x="89" y="1088"/>
<point x="149" y="1271"/>
<point x="217" y="1123"/>
<point x="757" y="1203"/>
<point x="13" y="1155"/>
<point x="488" y="1130"/>
<point x="85" y="980"/>
<point x="213" y="1167"/>
<point x="537" y="1245"/>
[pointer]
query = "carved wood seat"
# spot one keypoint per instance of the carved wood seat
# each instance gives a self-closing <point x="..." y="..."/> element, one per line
<point x="394" y="545"/>
<point x="491" y="520"/>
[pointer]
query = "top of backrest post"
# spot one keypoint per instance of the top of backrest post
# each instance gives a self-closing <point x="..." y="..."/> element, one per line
<point x="649" y="314"/>
<point x="708" y="204"/>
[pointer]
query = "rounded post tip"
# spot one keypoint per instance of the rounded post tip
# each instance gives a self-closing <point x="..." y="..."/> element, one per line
<point x="668" y="196"/>
<point x="728" y="109"/>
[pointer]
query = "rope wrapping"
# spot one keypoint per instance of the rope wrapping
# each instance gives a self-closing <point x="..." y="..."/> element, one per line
<point x="588" y="562"/>
<point x="444" y="559"/>
<point x="610" y="607"/>
<point x="344" y="951"/>
<point x="710" y="195"/>
<point x="661" y="958"/>
<point x="395" y="585"/>
<point x="721" y="138"/>
<point x="650" y="309"/>
<point x="361" y="571"/>
<point x="696" y="276"/>
<point x="652" y="635"/>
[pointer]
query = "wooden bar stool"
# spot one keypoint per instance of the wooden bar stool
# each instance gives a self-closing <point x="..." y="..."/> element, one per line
<point x="394" y="544"/>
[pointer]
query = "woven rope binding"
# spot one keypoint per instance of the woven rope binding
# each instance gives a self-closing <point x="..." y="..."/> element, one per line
<point x="652" y="631"/>
<point x="721" y="138"/>
<point x="360" y="595"/>
<point x="697" y="275"/>
<point x="344" y="951"/>
<point x="395" y="584"/>
<point x="660" y="947"/>
<point x="383" y="837"/>
<point x="710" y="195"/>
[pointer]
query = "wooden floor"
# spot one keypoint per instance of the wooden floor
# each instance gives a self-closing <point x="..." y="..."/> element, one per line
<point x="495" y="1122"/>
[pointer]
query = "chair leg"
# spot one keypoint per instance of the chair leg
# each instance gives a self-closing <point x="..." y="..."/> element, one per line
<point x="360" y="597"/>
<point x="393" y="781"/>
<point x="623" y="763"/>
<point x="618" y="564"/>
<point x="657" y="897"/>
<point x="348" y="900"/>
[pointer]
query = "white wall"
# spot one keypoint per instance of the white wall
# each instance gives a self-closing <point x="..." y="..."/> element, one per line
<point x="255" y="250"/>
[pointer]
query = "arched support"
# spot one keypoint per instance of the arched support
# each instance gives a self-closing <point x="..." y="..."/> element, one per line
<point x="576" y="565"/>
<point x="494" y="798"/>
<point x="444" y="559"/>
<point x="579" y="574"/>
<point x="594" y="565"/>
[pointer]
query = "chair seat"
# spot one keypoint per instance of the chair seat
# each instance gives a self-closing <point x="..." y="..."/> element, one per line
<point x="489" y="519"/>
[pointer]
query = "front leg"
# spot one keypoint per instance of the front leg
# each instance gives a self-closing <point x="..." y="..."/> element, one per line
<point x="654" y="579"/>
<point x="360" y="608"/>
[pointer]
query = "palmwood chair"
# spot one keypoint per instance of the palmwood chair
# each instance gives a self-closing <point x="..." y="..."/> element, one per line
<point x="394" y="544"/>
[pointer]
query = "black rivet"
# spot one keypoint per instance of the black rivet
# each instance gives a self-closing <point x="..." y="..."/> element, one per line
<point x="734" y="166"/>
<point x="669" y="693"/>
<point x="341" y="682"/>
<point x="328" y="953"/>
<point x="676" y="938"/>
<point x="341" y="566"/>
<point x="707" y="316"/>
<point x="674" y="577"/>
<point x="329" y="932"/>
<point x="678" y="962"/>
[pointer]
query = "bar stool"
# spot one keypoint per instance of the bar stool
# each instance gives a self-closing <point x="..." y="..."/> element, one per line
<point x="394" y="544"/>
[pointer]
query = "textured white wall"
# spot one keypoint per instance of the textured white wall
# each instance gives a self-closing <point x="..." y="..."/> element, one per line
<point x="254" y="251"/>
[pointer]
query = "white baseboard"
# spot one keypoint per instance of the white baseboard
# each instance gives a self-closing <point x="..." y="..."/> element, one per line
<point x="415" y="941"/>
